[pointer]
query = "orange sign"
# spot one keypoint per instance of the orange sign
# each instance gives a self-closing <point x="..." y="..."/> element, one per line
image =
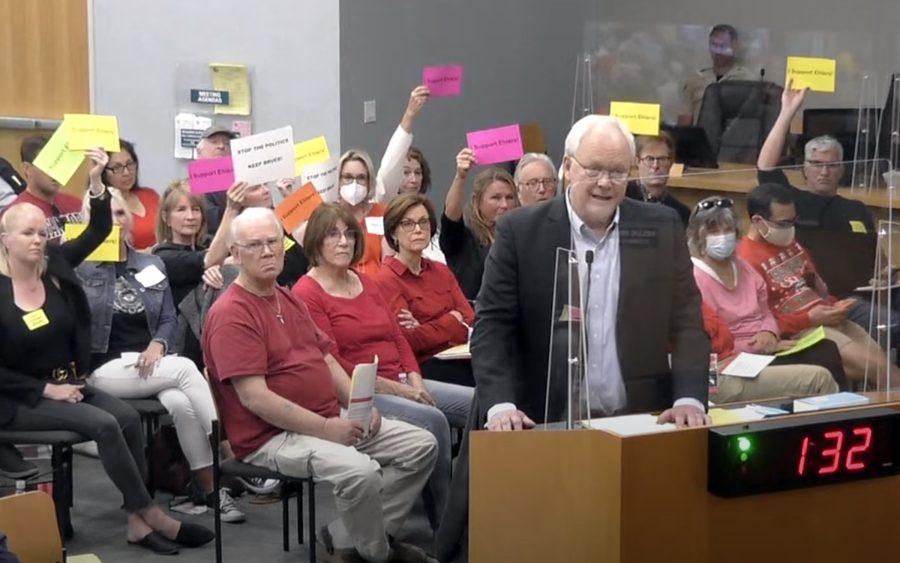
<point x="298" y="207"/>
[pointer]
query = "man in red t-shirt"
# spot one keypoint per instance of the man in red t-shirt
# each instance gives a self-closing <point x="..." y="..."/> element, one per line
<point x="43" y="191"/>
<point x="281" y="393"/>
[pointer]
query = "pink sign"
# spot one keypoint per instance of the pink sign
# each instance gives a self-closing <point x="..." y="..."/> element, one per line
<point x="443" y="80"/>
<point x="501" y="144"/>
<point x="210" y="175"/>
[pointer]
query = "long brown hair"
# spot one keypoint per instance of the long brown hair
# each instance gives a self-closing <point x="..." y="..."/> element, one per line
<point x="484" y="232"/>
<point x="167" y="203"/>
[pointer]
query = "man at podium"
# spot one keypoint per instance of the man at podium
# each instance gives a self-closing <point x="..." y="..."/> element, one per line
<point x="640" y="299"/>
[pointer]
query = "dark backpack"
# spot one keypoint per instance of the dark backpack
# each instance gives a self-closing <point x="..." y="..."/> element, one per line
<point x="169" y="467"/>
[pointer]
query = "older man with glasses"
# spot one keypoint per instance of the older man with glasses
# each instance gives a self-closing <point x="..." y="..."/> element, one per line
<point x="535" y="178"/>
<point x="654" y="160"/>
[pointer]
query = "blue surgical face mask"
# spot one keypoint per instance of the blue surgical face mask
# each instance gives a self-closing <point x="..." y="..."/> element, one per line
<point x="720" y="246"/>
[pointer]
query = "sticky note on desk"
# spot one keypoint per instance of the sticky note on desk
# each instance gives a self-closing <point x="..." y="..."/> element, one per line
<point x="57" y="160"/>
<point x="298" y="207"/>
<point x="641" y="119"/>
<point x="500" y="144"/>
<point x="309" y="152"/>
<point x="443" y="80"/>
<point x="86" y="131"/>
<point x="818" y="75"/>
<point x="108" y="251"/>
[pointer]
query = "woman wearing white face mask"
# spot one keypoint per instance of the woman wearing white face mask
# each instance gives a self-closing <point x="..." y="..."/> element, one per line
<point x="738" y="319"/>
<point x="356" y="180"/>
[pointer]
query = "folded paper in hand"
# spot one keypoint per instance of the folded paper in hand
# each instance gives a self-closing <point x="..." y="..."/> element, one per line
<point x="362" y="395"/>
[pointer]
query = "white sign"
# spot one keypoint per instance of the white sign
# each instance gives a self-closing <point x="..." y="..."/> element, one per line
<point x="323" y="175"/>
<point x="264" y="157"/>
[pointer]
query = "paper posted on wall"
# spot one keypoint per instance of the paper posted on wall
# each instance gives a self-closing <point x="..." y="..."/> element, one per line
<point x="362" y="395"/>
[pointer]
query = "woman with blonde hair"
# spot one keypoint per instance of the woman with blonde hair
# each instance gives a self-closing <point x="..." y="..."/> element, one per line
<point x="466" y="243"/>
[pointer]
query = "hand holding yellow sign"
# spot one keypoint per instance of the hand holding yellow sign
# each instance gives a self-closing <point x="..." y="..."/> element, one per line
<point x="641" y="119"/>
<point x="108" y="251"/>
<point x="816" y="74"/>
<point x="85" y="131"/>
<point x="309" y="152"/>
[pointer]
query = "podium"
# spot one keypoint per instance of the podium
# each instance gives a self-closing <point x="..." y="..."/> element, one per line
<point x="598" y="497"/>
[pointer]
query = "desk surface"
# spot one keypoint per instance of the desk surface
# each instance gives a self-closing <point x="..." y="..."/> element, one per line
<point x="740" y="178"/>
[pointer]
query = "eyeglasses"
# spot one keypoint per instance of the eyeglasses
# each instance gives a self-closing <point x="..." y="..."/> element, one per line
<point x="335" y="235"/>
<point x="349" y="178"/>
<point x="535" y="183"/>
<point x="120" y="168"/>
<point x="651" y="160"/>
<point x="617" y="176"/>
<point x="721" y="202"/>
<point x="408" y="225"/>
<point x="826" y="165"/>
<point x="256" y="246"/>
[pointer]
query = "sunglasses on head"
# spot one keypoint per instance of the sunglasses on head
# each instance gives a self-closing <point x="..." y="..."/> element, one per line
<point x="722" y="202"/>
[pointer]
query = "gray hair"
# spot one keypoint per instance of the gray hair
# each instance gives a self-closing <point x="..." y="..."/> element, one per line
<point x="702" y="220"/>
<point x="823" y="143"/>
<point x="591" y="122"/>
<point x="527" y="159"/>
<point x="249" y="215"/>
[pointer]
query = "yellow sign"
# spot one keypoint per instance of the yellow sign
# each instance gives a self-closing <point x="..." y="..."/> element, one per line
<point x="641" y="119"/>
<point x="816" y="74"/>
<point x="858" y="227"/>
<point x="309" y="152"/>
<point x="86" y="131"/>
<point x="677" y="170"/>
<point x="108" y="251"/>
<point x="289" y="243"/>
<point x="57" y="160"/>
<point x="36" y="319"/>
<point x="813" y="337"/>
<point x="235" y="80"/>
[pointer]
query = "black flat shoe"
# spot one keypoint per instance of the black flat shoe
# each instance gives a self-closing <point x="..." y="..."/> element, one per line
<point x="194" y="535"/>
<point x="13" y="466"/>
<point x="156" y="543"/>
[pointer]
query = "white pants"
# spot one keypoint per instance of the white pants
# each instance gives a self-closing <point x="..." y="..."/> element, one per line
<point x="180" y="387"/>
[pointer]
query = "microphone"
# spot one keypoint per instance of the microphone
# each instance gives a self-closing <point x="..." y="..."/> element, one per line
<point x="589" y="260"/>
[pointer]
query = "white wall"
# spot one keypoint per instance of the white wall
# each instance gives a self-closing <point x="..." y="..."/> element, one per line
<point x="291" y="45"/>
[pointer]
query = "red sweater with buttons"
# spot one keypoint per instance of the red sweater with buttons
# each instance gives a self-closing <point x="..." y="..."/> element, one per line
<point x="429" y="296"/>
<point x="793" y="285"/>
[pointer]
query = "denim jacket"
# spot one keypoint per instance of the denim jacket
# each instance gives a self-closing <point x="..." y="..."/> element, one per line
<point x="99" y="281"/>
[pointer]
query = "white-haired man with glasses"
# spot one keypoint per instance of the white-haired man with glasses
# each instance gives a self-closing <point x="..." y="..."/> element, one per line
<point x="535" y="178"/>
<point x="655" y="155"/>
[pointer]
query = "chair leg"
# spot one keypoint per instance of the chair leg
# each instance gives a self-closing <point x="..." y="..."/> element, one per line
<point x="299" y="513"/>
<point x="285" y="515"/>
<point x="217" y="506"/>
<point x="311" y="500"/>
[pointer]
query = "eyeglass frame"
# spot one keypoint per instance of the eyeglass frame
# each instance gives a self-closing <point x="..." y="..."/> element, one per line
<point x="595" y="174"/>
<point x="409" y="226"/>
<point x="334" y="235"/>
<point x="660" y="160"/>
<point x="119" y="168"/>
<point x="361" y="179"/>
<point x="549" y="183"/>
<point x="256" y="246"/>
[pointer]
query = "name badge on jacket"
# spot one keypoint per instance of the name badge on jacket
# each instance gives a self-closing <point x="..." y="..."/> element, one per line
<point x="645" y="238"/>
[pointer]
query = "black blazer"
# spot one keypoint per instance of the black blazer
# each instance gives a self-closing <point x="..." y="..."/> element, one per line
<point x="658" y="311"/>
<point x="17" y="387"/>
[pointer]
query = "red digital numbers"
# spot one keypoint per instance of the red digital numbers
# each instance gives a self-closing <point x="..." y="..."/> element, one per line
<point x="830" y="456"/>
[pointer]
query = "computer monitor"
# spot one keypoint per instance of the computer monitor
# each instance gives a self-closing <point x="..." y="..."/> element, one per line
<point x="889" y="132"/>
<point x="692" y="147"/>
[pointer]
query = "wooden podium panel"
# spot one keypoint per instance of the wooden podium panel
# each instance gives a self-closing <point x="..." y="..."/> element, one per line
<point x="592" y="496"/>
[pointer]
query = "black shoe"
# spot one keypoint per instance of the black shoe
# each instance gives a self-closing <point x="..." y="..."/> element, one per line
<point x="156" y="543"/>
<point x="194" y="535"/>
<point x="13" y="466"/>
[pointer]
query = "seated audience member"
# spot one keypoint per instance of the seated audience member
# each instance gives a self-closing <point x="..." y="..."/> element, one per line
<point x="43" y="192"/>
<point x="190" y="257"/>
<point x="417" y="180"/>
<point x="132" y="330"/>
<point x="535" y="178"/>
<point x="429" y="304"/>
<point x="466" y="243"/>
<point x="723" y="48"/>
<point x="737" y="316"/>
<point x="348" y="307"/>
<point x="122" y="174"/>
<point x="356" y="191"/>
<point x="654" y="160"/>
<point x="281" y="392"/>
<point x="43" y="370"/>
<point x="797" y="295"/>
<point x="215" y="143"/>
<point x="403" y="167"/>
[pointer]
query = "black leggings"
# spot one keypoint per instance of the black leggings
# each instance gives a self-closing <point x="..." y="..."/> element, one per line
<point x="112" y="423"/>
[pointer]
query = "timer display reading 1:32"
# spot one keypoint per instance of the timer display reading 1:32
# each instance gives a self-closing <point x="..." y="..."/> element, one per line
<point x="793" y="452"/>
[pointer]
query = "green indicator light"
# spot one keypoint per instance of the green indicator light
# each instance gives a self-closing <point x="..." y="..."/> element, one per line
<point x="743" y="457"/>
<point x="744" y="444"/>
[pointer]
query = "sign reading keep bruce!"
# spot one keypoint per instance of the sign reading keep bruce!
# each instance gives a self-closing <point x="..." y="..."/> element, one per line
<point x="264" y="157"/>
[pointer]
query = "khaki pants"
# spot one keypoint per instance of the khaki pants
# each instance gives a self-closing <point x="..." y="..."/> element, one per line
<point x="375" y="483"/>
<point x="776" y="381"/>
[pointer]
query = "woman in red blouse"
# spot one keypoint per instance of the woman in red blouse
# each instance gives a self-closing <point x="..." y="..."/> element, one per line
<point x="122" y="174"/>
<point x="348" y="307"/>
<point x="424" y="295"/>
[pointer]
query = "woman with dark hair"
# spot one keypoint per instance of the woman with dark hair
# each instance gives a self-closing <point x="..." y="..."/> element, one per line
<point x="466" y="243"/>
<point x="143" y="203"/>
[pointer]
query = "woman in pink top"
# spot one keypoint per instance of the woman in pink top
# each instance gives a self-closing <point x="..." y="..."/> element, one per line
<point x="736" y="295"/>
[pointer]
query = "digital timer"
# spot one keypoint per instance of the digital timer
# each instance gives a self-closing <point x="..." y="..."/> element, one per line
<point x="792" y="452"/>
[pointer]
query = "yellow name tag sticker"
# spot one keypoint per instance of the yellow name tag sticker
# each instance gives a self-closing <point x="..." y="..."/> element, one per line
<point x="858" y="227"/>
<point x="288" y="243"/>
<point x="641" y="119"/>
<point x="819" y="75"/>
<point x="36" y="319"/>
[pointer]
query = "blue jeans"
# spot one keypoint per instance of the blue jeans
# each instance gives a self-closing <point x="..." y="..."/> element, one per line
<point x="452" y="409"/>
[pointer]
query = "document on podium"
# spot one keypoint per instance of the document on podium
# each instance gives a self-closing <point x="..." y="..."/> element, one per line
<point x="631" y="425"/>
<point x="362" y="395"/>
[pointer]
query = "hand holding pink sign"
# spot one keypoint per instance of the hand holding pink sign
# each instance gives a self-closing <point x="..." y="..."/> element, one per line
<point x="501" y="144"/>
<point x="443" y="80"/>
<point x="210" y="175"/>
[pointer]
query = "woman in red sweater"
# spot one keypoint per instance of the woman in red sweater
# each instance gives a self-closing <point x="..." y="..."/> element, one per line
<point x="424" y="295"/>
<point x="122" y="174"/>
<point x="348" y="307"/>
